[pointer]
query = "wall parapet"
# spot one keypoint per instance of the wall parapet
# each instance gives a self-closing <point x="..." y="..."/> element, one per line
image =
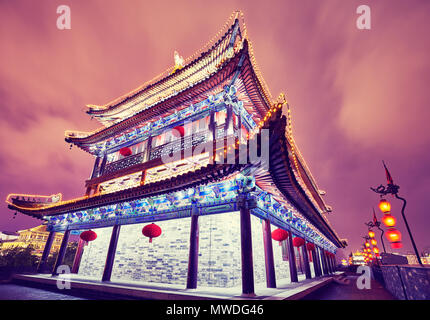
<point x="406" y="282"/>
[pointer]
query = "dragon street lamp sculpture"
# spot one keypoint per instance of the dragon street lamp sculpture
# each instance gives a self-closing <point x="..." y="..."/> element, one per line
<point x="393" y="189"/>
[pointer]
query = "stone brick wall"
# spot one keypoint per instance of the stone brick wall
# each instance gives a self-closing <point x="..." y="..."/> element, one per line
<point x="165" y="260"/>
<point x="407" y="282"/>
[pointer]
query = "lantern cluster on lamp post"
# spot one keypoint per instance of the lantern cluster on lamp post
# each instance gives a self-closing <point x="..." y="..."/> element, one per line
<point x="393" y="235"/>
<point x="374" y="223"/>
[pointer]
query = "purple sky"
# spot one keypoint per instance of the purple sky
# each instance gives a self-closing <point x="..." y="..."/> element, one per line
<point x="357" y="96"/>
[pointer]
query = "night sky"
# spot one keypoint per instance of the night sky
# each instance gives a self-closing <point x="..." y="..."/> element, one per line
<point x="358" y="96"/>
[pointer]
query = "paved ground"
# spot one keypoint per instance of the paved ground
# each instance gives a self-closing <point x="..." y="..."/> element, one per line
<point x="10" y="291"/>
<point x="335" y="291"/>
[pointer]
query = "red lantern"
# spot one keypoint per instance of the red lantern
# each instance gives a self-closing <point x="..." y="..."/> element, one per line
<point x="298" y="242"/>
<point x="389" y="220"/>
<point x="88" y="235"/>
<point x="151" y="231"/>
<point x="394" y="235"/>
<point x="310" y="246"/>
<point x="178" y="131"/>
<point x="125" y="152"/>
<point x="384" y="206"/>
<point x="373" y="242"/>
<point x="396" y="245"/>
<point x="279" y="235"/>
<point x="371" y="234"/>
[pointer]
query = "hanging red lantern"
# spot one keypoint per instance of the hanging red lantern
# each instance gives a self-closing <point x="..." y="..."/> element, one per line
<point x="298" y="242"/>
<point x="373" y="242"/>
<point x="371" y="234"/>
<point x="310" y="246"/>
<point x="125" y="152"/>
<point x="178" y="131"/>
<point x="389" y="220"/>
<point x="279" y="235"/>
<point x="394" y="235"/>
<point x="384" y="206"/>
<point x="88" y="235"/>
<point x="396" y="245"/>
<point x="151" y="231"/>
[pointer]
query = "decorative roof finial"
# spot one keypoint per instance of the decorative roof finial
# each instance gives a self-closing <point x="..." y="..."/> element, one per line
<point x="179" y="62"/>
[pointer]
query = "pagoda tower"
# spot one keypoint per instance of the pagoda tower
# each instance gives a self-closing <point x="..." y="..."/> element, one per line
<point x="202" y="161"/>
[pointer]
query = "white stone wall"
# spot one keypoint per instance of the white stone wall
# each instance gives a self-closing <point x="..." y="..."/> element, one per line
<point x="94" y="255"/>
<point x="282" y="267"/>
<point x="165" y="260"/>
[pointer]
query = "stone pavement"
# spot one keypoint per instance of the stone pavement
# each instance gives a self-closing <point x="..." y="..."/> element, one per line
<point x="130" y="290"/>
<point x="10" y="291"/>
<point x="336" y="291"/>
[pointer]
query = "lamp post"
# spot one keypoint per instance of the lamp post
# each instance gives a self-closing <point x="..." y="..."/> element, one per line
<point x="393" y="189"/>
<point x="377" y="224"/>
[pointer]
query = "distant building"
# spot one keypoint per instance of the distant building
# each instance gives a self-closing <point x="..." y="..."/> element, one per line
<point x="36" y="237"/>
<point x="356" y="258"/>
<point x="412" y="259"/>
<point x="8" y="236"/>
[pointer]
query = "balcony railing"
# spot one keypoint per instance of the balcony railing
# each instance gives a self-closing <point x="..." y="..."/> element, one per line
<point x="180" y="144"/>
<point x="158" y="152"/>
<point x="124" y="163"/>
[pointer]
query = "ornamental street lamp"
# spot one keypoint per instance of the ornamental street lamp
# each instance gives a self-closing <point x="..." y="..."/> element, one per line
<point x="393" y="189"/>
<point x="376" y="224"/>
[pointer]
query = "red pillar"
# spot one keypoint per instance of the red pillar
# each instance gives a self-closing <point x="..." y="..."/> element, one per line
<point x="317" y="266"/>
<point x="323" y="261"/>
<point x="78" y="256"/>
<point x="246" y="247"/>
<point x="61" y="252"/>
<point x="306" y="262"/>
<point x="292" y="259"/>
<point x="193" y="255"/>
<point x="268" y="255"/>
<point x="111" y="253"/>
<point x="42" y="263"/>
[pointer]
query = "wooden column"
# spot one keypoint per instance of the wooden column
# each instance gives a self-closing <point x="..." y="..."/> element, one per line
<point x="268" y="255"/>
<point x="111" y="253"/>
<point x="306" y="262"/>
<point x="324" y="262"/>
<point x="292" y="259"/>
<point x="78" y="256"/>
<point x="333" y="262"/>
<point x="323" y="269"/>
<point x="317" y="266"/>
<point x="61" y="252"/>
<point x="103" y="165"/>
<point x="96" y="170"/>
<point x="193" y="256"/>
<point x="246" y="246"/>
<point x="148" y="149"/>
<point x="41" y="268"/>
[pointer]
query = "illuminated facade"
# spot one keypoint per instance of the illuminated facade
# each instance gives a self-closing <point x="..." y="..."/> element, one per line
<point x="35" y="237"/>
<point x="177" y="152"/>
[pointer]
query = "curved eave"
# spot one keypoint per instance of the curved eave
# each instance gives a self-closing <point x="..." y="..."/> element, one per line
<point x="282" y="175"/>
<point x="160" y="108"/>
<point x="210" y="173"/>
<point x="247" y="74"/>
<point x="118" y="102"/>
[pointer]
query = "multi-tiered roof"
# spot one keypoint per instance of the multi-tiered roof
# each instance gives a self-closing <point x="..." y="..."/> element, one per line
<point x="221" y="63"/>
